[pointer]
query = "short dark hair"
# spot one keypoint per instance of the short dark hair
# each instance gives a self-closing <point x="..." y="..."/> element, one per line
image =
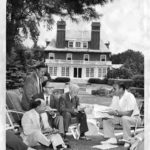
<point x="42" y="65"/>
<point x="35" y="103"/>
<point x="45" y="82"/>
<point x="122" y="85"/>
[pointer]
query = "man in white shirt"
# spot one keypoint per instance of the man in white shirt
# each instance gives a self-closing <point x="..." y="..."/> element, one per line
<point x="34" y="132"/>
<point x="125" y="110"/>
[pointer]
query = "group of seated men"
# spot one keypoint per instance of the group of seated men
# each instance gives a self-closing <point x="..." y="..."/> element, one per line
<point x="46" y="113"/>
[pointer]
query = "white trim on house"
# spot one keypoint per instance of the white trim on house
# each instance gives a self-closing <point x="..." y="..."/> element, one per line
<point x="86" y="57"/>
<point x="51" y="56"/>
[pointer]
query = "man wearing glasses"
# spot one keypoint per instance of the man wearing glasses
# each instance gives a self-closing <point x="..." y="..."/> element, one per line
<point x="55" y="119"/>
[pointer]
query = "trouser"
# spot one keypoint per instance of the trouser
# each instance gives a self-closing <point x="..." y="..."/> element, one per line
<point x="81" y="117"/>
<point x="125" y="121"/>
<point x="56" y="122"/>
<point x="38" y="137"/>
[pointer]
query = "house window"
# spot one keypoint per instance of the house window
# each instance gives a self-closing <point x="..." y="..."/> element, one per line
<point x="102" y="72"/>
<point x="69" y="56"/>
<point x="89" y="72"/>
<point x="86" y="57"/>
<point x="78" y="44"/>
<point x="85" y="44"/>
<point x="70" y="44"/>
<point x="102" y="57"/>
<point x="92" y="72"/>
<point x="65" y="71"/>
<point x="51" y="56"/>
<point x="53" y="71"/>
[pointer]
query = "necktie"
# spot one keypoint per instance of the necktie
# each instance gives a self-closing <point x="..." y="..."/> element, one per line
<point x="40" y="87"/>
<point x="46" y="100"/>
<point x="41" y="122"/>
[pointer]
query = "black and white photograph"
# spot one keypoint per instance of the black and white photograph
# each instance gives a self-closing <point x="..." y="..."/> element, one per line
<point x="75" y="75"/>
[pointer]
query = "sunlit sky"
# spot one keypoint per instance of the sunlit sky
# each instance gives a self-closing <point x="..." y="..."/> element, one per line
<point x="124" y="23"/>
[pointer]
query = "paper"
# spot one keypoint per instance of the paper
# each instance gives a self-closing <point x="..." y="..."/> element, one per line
<point x="105" y="146"/>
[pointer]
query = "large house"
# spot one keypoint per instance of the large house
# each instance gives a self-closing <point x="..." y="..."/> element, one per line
<point x="78" y="54"/>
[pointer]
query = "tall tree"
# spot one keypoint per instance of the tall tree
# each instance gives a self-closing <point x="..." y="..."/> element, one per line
<point x="23" y="16"/>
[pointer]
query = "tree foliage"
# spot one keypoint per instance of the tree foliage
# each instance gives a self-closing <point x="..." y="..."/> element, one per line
<point x="131" y="60"/>
<point x="122" y="73"/>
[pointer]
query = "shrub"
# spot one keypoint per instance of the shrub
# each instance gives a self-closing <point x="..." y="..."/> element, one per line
<point x="138" y="92"/>
<point x="62" y="79"/>
<point x="128" y="82"/>
<point x="97" y="81"/>
<point x="100" y="92"/>
<point x="138" y="81"/>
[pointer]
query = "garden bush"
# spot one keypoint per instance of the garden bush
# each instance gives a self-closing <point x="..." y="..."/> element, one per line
<point x="128" y="82"/>
<point x="138" y="92"/>
<point x="100" y="92"/>
<point x="138" y="81"/>
<point x="61" y="79"/>
<point x="97" y="81"/>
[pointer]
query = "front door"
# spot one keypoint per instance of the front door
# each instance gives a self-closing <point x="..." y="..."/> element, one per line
<point x="77" y="72"/>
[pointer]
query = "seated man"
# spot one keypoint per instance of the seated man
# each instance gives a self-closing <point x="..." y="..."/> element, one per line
<point x="33" y="131"/>
<point x="125" y="110"/>
<point x="13" y="142"/>
<point x="55" y="119"/>
<point x="69" y="107"/>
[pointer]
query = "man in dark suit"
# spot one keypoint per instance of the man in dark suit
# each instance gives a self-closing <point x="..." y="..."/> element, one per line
<point x="70" y="107"/>
<point x="14" y="142"/>
<point x="55" y="119"/>
<point x="32" y="86"/>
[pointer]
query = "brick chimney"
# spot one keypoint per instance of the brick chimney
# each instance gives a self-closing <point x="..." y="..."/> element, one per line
<point x="95" y="36"/>
<point x="60" y="39"/>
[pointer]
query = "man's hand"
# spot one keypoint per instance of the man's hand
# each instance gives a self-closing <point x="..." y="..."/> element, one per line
<point x="112" y="112"/>
<point x="75" y="111"/>
<point x="47" y="130"/>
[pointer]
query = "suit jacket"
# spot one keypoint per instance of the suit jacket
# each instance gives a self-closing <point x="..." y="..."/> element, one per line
<point x="31" y="88"/>
<point x="53" y="102"/>
<point x="67" y="104"/>
<point x="30" y="122"/>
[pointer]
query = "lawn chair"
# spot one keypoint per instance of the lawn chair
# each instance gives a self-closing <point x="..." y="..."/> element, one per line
<point x="141" y="126"/>
<point x="14" y="110"/>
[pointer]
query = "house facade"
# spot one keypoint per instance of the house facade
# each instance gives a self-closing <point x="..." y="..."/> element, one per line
<point x="78" y="54"/>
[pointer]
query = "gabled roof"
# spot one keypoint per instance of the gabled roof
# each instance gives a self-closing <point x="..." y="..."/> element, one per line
<point x="103" y="49"/>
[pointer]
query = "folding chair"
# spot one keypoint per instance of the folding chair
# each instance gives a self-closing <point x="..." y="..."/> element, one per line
<point x="141" y="126"/>
<point x="11" y="123"/>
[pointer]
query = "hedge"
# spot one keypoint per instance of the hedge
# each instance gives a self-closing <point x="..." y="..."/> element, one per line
<point x="97" y="81"/>
<point x="61" y="79"/>
<point x="138" y="81"/>
<point x="101" y="92"/>
<point x="128" y="82"/>
<point x="138" y="92"/>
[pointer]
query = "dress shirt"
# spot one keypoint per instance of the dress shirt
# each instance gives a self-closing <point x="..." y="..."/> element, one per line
<point x="47" y="98"/>
<point x="126" y="103"/>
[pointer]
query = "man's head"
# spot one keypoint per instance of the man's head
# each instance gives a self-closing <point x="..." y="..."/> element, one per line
<point x="40" y="70"/>
<point x="48" y="87"/>
<point x="119" y="89"/>
<point x="73" y="90"/>
<point x="39" y="105"/>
